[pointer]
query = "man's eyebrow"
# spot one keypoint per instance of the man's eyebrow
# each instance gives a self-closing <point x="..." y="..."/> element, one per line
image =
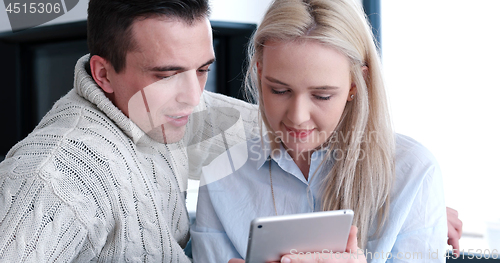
<point x="177" y="68"/>
<point x="208" y="63"/>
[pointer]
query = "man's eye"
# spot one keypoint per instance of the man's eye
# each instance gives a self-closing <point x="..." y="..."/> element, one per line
<point x="204" y="70"/>
<point x="165" y="76"/>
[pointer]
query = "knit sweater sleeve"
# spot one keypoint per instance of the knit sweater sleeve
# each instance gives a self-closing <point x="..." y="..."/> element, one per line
<point x="84" y="187"/>
<point x="82" y="194"/>
<point x="80" y="206"/>
<point x="36" y="225"/>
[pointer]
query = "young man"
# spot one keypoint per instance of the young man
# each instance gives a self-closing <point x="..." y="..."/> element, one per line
<point x="89" y="184"/>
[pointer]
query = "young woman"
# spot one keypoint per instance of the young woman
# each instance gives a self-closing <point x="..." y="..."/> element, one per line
<point x="327" y="144"/>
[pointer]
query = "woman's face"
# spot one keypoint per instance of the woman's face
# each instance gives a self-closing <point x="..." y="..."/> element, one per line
<point x="305" y="87"/>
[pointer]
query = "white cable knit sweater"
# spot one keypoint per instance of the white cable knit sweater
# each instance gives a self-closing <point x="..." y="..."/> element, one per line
<point x="88" y="185"/>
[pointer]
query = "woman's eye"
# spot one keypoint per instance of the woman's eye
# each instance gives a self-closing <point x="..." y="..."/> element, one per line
<point x="274" y="91"/>
<point x="322" y="97"/>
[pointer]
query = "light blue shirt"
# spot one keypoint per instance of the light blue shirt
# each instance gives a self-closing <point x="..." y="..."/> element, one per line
<point x="238" y="189"/>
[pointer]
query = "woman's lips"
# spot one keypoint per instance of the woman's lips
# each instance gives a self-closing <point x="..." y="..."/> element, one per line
<point x="298" y="133"/>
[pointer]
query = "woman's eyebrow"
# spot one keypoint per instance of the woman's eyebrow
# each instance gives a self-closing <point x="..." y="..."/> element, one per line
<point x="273" y="80"/>
<point x="324" y="87"/>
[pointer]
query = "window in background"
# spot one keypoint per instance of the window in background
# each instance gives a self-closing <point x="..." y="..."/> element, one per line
<point x="441" y="64"/>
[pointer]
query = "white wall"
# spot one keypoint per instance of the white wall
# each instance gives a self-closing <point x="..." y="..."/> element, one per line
<point x="244" y="11"/>
<point x="441" y="68"/>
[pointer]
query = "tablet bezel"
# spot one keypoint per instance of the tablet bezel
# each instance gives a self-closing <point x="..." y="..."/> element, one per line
<point x="301" y="234"/>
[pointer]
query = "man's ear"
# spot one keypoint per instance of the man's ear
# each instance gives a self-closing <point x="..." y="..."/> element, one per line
<point x="100" y="69"/>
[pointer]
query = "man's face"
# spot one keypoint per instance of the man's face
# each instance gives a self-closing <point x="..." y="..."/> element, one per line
<point x="164" y="75"/>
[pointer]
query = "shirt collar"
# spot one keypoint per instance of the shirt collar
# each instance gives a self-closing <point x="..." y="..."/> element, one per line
<point x="262" y="150"/>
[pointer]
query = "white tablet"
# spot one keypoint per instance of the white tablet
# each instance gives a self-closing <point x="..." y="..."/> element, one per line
<point x="300" y="234"/>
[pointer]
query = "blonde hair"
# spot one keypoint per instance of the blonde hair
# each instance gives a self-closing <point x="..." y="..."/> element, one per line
<point x="363" y="169"/>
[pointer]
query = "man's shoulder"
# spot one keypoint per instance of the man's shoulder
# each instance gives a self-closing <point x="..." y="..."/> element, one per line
<point x="67" y="109"/>
<point x="74" y="116"/>
<point x="73" y="131"/>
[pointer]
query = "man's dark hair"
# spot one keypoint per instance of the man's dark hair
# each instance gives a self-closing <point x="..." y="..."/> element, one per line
<point x="109" y="23"/>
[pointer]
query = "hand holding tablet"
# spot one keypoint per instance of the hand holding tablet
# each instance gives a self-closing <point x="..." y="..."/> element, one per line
<point x="352" y="254"/>
<point x="319" y="234"/>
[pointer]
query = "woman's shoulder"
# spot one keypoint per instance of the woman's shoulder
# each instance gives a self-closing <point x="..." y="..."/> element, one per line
<point x="411" y="152"/>
<point x="414" y="163"/>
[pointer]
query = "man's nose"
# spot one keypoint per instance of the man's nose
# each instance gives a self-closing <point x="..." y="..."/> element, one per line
<point x="191" y="89"/>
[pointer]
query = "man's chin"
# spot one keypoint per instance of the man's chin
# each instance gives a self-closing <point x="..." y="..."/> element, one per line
<point x="165" y="134"/>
